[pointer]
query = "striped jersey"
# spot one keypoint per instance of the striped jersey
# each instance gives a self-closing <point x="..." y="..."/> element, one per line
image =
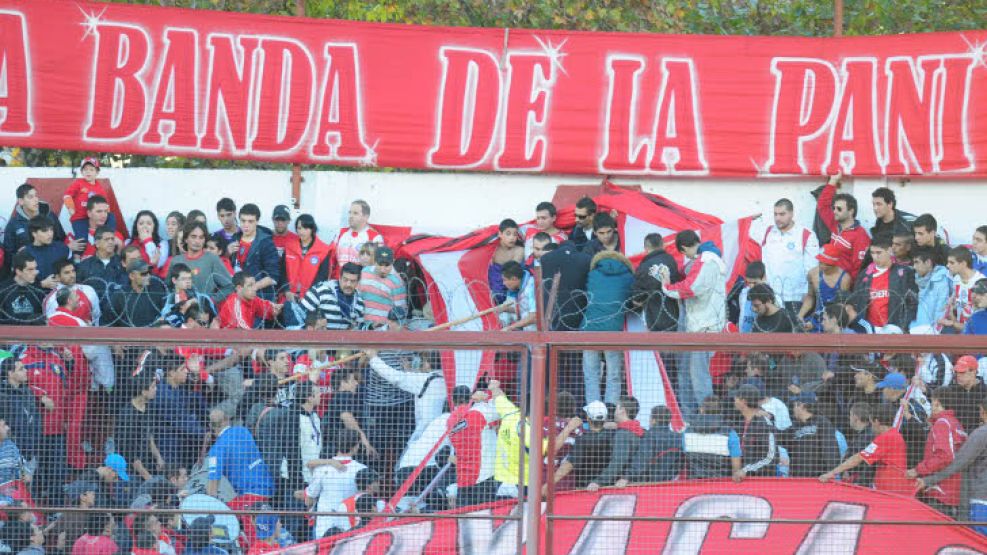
<point x="381" y="294"/>
<point x="327" y="298"/>
<point x="348" y="243"/>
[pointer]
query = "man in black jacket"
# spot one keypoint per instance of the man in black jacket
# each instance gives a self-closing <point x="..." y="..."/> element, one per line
<point x="140" y="304"/>
<point x="625" y="444"/>
<point x="757" y="436"/>
<point x="29" y="205"/>
<point x="811" y="441"/>
<point x="886" y="295"/>
<point x="572" y="266"/>
<point x="21" y="301"/>
<point x="19" y="407"/>
<point x="103" y="271"/>
<point x="659" y="456"/>
<point x="582" y="232"/>
<point x="661" y="313"/>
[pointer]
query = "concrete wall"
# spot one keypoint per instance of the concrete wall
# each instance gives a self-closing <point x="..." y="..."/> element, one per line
<point x="454" y="203"/>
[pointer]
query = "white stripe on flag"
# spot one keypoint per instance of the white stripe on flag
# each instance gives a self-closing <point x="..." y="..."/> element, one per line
<point x="644" y="380"/>
<point x="443" y="267"/>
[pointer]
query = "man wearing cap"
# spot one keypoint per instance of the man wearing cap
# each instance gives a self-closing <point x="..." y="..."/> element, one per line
<point x="811" y="441"/>
<point x="968" y="391"/>
<point x="281" y="235"/>
<point x="977" y="324"/>
<point x="788" y="251"/>
<point x="139" y="305"/>
<point x="914" y="415"/>
<point x="626" y="440"/>
<point x="823" y="283"/>
<point x="757" y="437"/>
<point x="591" y="452"/>
<point x="381" y="288"/>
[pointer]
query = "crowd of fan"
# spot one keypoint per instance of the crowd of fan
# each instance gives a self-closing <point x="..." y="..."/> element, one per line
<point x="90" y="426"/>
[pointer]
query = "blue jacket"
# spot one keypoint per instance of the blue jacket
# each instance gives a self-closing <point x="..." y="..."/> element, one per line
<point x="262" y="261"/>
<point x="46" y="257"/>
<point x="977" y="324"/>
<point x="933" y="294"/>
<point x="179" y="416"/>
<point x="608" y="287"/>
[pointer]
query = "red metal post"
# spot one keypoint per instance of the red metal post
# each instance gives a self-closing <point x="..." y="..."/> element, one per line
<point x="553" y="386"/>
<point x="296" y="169"/>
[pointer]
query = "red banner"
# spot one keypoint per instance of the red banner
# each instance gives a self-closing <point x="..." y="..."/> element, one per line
<point x="121" y="78"/>
<point x="754" y="501"/>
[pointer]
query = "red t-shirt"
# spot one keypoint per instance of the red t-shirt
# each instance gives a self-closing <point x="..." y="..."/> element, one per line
<point x="241" y="254"/>
<point x="466" y="436"/>
<point x="877" y="310"/>
<point x="81" y="190"/>
<point x="887" y="451"/>
<point x="281" y="241"/>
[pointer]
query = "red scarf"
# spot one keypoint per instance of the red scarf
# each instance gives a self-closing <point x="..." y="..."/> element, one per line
<point x="632" y="426"/>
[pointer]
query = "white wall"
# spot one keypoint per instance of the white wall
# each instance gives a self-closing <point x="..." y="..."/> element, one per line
<point x="453" y="203"/>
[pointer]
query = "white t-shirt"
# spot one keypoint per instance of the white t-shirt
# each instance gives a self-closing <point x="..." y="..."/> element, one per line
<point x="418" y="448"/>
<point x="331" y="487"/>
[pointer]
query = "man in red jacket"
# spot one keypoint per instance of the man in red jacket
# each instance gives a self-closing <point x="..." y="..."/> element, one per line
<point x="839" y="213"/>
<point x="946" y="435"/>
<point x="242" y="308"/>
<point x="48" y="378"/>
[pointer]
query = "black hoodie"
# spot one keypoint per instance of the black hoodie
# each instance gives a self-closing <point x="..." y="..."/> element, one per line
<point x="16" y="234"/>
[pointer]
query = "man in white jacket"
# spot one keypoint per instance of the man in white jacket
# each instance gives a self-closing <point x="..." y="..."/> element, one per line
<point x="703" y="295"/>
<point x="427" y="385"/>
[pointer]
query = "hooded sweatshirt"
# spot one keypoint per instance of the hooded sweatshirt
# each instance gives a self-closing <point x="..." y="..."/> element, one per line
<point x="608" y="286"/>
<point x="971" y="460"/>
<point x="703" y="291"/>
<point x="946" y="436"/>
<point x="933" y="294"/>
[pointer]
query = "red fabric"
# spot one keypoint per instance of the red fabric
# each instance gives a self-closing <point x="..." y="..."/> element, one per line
<point x="282" y="241"/>
<point x="887" y="451"/>
<point x="877" y="308"/>
<point x="300" y="269"/>
<point x="852" y="242"/>
<point x="79" y="191"/>
<point x="48" y="376"/>
<point x="242" y="503"/>
<point x="237" y="313"/>
<point x="83" y="311"/>
<point x="243" y="252"/>
<point x="465" y="429"/>
<point x="553" y="102"/>
<point x="632" y="426"/>
<point x="945" y="438"/>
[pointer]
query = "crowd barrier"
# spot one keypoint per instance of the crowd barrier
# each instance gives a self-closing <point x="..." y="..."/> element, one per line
<point x="509" y="500"/>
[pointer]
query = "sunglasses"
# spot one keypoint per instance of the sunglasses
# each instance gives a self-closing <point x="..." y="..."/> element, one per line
<point x="581" y="216"/>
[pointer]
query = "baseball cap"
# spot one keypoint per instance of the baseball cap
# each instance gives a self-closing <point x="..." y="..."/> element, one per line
<point x="384" y="255"/>
<point x="894" y="380"/>
<point x="596" y="411"/>
<point x="118" y="464"/>
<point x="830" y="254"/>
<point x="91" y="161"/>
<point x="281" y="212"/>
<point x="966" y="363"/>
<point x="980" y="287"/>
<point x="138" y="265"/>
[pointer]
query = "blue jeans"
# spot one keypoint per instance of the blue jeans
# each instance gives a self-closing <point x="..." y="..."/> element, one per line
<point x="591" y="375"/>
<point x="978" y="513"/>
<point x="694" y="381"/>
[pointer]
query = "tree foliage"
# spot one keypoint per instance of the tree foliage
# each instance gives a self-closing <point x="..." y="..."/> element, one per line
<point x="813" y="18"/>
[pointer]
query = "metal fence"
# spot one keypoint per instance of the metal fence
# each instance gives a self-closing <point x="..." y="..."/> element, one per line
<point x="442" y="442"/>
